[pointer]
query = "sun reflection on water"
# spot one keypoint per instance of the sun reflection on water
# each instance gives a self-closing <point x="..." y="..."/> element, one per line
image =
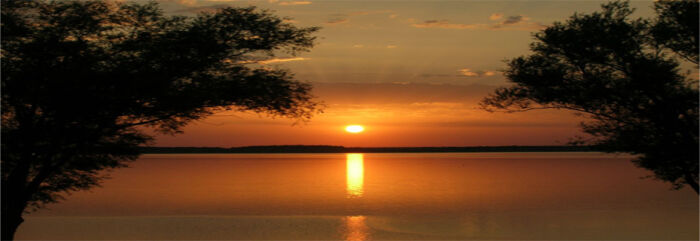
<point x="355" y="175"/>
<point x="356" y="228"/>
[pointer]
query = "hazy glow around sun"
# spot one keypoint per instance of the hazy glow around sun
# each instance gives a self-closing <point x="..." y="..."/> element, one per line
<point x="354" y="128"/>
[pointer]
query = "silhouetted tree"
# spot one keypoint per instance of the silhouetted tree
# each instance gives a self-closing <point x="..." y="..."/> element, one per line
<point x="619" y="72"/>
<point x="676" y="28"/>
<point x="80" y="79"/>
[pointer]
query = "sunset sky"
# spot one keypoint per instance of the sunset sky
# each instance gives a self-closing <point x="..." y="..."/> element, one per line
<point x="411" y="72"/>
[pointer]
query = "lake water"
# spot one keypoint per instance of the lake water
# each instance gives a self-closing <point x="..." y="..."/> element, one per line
<point x="375" y="196"/>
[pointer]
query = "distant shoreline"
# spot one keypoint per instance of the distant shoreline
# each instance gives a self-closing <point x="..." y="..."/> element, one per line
<point x="342" y="149"/>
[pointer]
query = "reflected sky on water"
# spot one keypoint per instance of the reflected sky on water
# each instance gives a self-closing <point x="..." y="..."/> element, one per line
<point x="373" y="196"/>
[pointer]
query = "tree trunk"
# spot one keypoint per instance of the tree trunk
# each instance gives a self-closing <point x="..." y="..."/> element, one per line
<point x="13" y="205"/>
<point x="14" y="200"/>
<point x="10" y="222"/>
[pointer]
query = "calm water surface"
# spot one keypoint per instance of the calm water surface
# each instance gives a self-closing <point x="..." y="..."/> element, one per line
<point x="427" y="196"/>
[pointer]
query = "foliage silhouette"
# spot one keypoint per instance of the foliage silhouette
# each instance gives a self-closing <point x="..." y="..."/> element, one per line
<point x="81" y="78"/>
<point x="676" y="28"/>
<point x="621" y="73"/>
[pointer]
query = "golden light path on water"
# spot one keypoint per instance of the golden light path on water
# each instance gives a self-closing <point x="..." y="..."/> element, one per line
<point x="355" y="175"/>
<point x="356" y="228"/>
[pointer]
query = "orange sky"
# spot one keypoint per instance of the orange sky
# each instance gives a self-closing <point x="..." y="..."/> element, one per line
<point x="411" y="72"/>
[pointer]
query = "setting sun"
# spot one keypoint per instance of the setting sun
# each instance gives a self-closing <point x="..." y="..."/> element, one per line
<point x="354" y="128"/>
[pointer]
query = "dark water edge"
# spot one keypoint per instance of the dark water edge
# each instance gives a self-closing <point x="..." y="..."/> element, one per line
<point x="342" y="149"/>
<point x="491" y="226"/>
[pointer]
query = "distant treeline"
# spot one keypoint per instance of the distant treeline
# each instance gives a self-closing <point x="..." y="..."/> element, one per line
<point x="342" y="149"/>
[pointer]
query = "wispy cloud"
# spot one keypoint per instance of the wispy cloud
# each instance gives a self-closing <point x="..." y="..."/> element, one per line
<point x="465" y="72"/>
<point x="269" y="61"/>
<point x="358" y="46"/>
<point x="519" y="22"/>
<point x="337" y="20"/>
<point x="345" y="17"/>
<point x="516" y="22"/>
<point x="476" y="73"/>
<point x="360" y="13"/>
<point x="280" y="60"/>
<point x="514" y="19"/>
<point x="445" y="24"/>
<point x="496" y="16"/>
<point x="437" y="75"/>
<point x="292" y="3"/>
<point x="391" y="46"/>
